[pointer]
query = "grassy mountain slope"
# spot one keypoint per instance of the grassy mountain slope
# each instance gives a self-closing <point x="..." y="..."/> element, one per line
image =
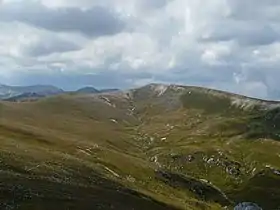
<point x="156" y="147"/>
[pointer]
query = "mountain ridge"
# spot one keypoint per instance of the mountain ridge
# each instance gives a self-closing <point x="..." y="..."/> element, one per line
<point x="40" y="89"/>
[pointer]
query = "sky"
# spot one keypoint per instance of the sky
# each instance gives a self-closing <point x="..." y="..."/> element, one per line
<point x="233" y="45"/>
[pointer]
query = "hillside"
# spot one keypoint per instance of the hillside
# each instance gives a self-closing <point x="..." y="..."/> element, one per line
<point x="155" y="147"/>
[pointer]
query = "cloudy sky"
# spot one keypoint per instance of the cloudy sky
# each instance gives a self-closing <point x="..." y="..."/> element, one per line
<point x="232" y="45"/>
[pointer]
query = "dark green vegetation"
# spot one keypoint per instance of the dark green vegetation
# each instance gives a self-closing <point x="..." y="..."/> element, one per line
<point x="156" y="147"/>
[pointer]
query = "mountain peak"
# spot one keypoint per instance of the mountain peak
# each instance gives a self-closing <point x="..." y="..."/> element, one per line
<point x="88" y="89"/>
<point x="92" y="90"/>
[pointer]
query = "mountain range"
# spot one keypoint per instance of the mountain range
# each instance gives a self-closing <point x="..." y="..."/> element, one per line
<point x="154" y="147"/>
<point x="24" y="93"/>
<point x="11" y="91"/>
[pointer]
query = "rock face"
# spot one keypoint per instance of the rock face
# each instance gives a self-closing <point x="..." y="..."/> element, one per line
<point x="247" y="206"/>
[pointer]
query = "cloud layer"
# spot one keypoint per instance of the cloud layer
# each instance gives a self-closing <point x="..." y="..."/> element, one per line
<point x="226" y="44"/>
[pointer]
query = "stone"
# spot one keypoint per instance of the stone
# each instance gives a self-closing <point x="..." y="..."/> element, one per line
<point x="247" y="206"/>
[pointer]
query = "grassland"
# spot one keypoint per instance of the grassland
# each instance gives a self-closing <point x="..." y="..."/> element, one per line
<point x="156" y="147"/>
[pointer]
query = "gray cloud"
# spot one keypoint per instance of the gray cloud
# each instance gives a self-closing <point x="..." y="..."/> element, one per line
<point x="251" y="10"/>
<point x="96" y="21"/>
<point x="48" y="46"/>
<point x="249" y="23"/>
<point x="245" y="33"/>
<point x="155" y="4"/>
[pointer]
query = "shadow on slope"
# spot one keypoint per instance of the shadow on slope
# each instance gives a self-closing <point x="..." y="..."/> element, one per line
<point x="265" y="125"/>
<point x="257" y="188"/>
<point x="90" y="191"/>
<point x="202" y="191"/>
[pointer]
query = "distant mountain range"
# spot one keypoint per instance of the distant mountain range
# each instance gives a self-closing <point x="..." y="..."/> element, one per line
<point x="25" y="97"/>
<point x="13" y="91"/>
<point x="25" y="93"/>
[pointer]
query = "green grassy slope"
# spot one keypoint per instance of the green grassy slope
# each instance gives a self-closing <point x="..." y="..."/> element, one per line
<point x="156" y="147"/>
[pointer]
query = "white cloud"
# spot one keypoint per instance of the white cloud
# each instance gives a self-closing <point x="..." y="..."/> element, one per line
<point x="228" y="44"/>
